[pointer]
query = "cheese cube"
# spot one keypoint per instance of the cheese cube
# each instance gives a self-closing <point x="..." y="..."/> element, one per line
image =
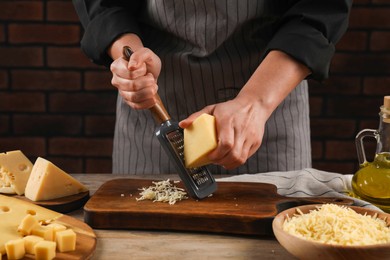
<point x="47" y="182"/>
<point x="66" y="240"/>
<point x="43" y="231"/>
<point x="200" y="138"/>
<point x="27" y="224"/>
<point x="56" y="228"/>
<point x="30" y="242"/>
<point x="15" y="249"/>
<point x="15" y="169"/>
<point x="45" y="250"/>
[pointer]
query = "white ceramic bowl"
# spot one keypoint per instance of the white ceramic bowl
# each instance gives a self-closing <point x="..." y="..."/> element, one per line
<point x="305" y="249"/>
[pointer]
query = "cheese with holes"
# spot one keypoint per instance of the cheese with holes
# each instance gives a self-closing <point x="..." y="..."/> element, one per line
<point x="200" y="138"/>
<point x="12" y="212"/>
<point x="15" y="169"/>
<point x="47" y="182"/>
<point x="15" y="249"/>
<point x="45" y="250"/>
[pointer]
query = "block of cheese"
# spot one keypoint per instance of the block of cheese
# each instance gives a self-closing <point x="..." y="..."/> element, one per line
<point x="15" y="249"/>
<point x="56" y="228"/>
<point x="28" y="223"/>
<point x="45" y="232"/>
<point x="200" y="138"/>
<point x="66" y="240"/>
<point x="12" y="212"/>
<point x="45" y="250"/>
<point x="15" y="169"/>
<point x="30" y="242"/>
<point x="47" y="182"/>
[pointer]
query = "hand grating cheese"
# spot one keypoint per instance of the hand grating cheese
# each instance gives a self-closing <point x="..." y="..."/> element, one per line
<point x="163" y="191"/>
<point x="338" y="225"/>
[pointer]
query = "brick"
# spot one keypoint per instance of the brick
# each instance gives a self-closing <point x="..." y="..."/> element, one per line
<point x="369" y="146"/>
<point x="67" y="164"/>
<point x="353" y="41"/>
<point x="356" y="63"/>
<point x="376" y="86"/>
<point x="69" y="57"/>
<point x="98" y="80"/>
<point x="340" y="150"/>
<point x="341" y="85"/>
<point x="316" y="104"/>
<point x="380" y="41"/>
<point x="353" y="106"/>
<point x="360" y="2"/>
<point x="46" y="80"/>
<point x="21" y="10"/>
<point x="99" y="125"/>
<point x="32" y="147"/>
<point x="2" y="33"/>
<point x="101" y="165"/>
<point x="99" y="103"/>
<point x="21" y="56"/>
<point x="4" y="125"/>
<point x="336" y="167"/>
<point x="380" y="2"/>
<point x="332" y="128"/>
<point x="22" y="102"/>
<point x="61" y="11"/>
<point x="317" y="148"/>
<point x="369" y="124"/>
<point x="47" y="125"/>
<point x="80" y="146"/>
<point x="3" y="79"/>
<point x="43" y="33"/>
<point x="368" y="17"/>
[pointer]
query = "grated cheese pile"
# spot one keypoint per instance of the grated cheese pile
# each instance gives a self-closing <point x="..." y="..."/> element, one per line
<point x="338" y="225"/>
<point x="163" y="191"/>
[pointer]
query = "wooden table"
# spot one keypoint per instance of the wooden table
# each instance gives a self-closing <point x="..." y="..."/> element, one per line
<point x="130" y="244"/>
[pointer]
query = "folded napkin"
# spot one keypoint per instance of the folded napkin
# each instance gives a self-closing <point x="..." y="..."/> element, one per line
<point x="306" y="183"/>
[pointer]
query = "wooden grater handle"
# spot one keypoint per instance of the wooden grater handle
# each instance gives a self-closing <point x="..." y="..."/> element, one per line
<point x="158" y="110"/>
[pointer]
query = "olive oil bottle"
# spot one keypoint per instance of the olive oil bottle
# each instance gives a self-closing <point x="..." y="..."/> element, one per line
<point x="372" y="181"/>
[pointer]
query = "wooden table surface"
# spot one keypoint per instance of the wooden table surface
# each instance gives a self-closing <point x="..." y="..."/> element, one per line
<point x="131" y="244"/>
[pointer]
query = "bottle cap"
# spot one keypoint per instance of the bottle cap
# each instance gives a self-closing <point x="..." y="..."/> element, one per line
<point x="386" y="102"/>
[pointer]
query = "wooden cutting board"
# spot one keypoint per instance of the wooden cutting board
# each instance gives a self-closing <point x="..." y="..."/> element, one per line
<point x="235" y="208"/>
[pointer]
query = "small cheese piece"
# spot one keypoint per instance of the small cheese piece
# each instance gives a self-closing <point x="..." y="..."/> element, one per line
<point x="45" y="232"/>
<point x="200" y="138"/>
<point x="56" y="228"/>
<point x="47" y="182"/>
<point x="15" y="249"/>
<point x="30" y="242"/>
<point x="12" y="212"/>
<point x="66" y="240"/>
<point x="45" y="250"/>
<point x="15" y="169"/>
<point x="27" y="224"/>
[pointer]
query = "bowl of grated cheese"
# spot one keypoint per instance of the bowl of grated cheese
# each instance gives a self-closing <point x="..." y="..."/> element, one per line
<point x="330" y="231"/>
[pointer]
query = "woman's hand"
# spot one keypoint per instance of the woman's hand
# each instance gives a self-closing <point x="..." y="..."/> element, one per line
<point x="240" y="129"/>
<point x="136" y="79"/>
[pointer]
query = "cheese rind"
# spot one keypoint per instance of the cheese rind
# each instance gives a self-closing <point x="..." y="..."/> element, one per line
<point x="12" y="211"/>
<point x="15" y="169"/>
<point x="200" y="138"/>
<point x="47" y="182"/>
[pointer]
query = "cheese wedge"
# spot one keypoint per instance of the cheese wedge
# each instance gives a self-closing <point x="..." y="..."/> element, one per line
<point x="47" y="182"/>
<point x="200" y="138"/>
<point x="15" y="169"/>
<point x="13" y="211"/>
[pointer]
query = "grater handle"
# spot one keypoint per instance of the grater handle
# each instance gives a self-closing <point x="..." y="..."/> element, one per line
<point x="158" y="110"/>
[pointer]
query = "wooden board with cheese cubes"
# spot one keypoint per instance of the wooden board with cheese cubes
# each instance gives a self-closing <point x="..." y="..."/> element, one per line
<point x="41" y="183"/>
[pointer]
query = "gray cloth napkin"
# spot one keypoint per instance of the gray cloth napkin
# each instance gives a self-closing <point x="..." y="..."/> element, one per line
<point x="305" y="183"/>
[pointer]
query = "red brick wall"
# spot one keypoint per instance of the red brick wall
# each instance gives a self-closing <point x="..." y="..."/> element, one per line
<point x="56" y="104"/>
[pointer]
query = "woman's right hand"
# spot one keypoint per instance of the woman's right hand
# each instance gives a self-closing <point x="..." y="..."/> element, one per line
<point x="136" y="79"/>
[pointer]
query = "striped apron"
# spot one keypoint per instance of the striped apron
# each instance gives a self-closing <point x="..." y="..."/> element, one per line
<point x="209" y="49"/>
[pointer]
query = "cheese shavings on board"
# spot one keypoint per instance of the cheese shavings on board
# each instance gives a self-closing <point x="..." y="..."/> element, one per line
<point x="163" y="191"/>
<point x="338" y="225"/>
